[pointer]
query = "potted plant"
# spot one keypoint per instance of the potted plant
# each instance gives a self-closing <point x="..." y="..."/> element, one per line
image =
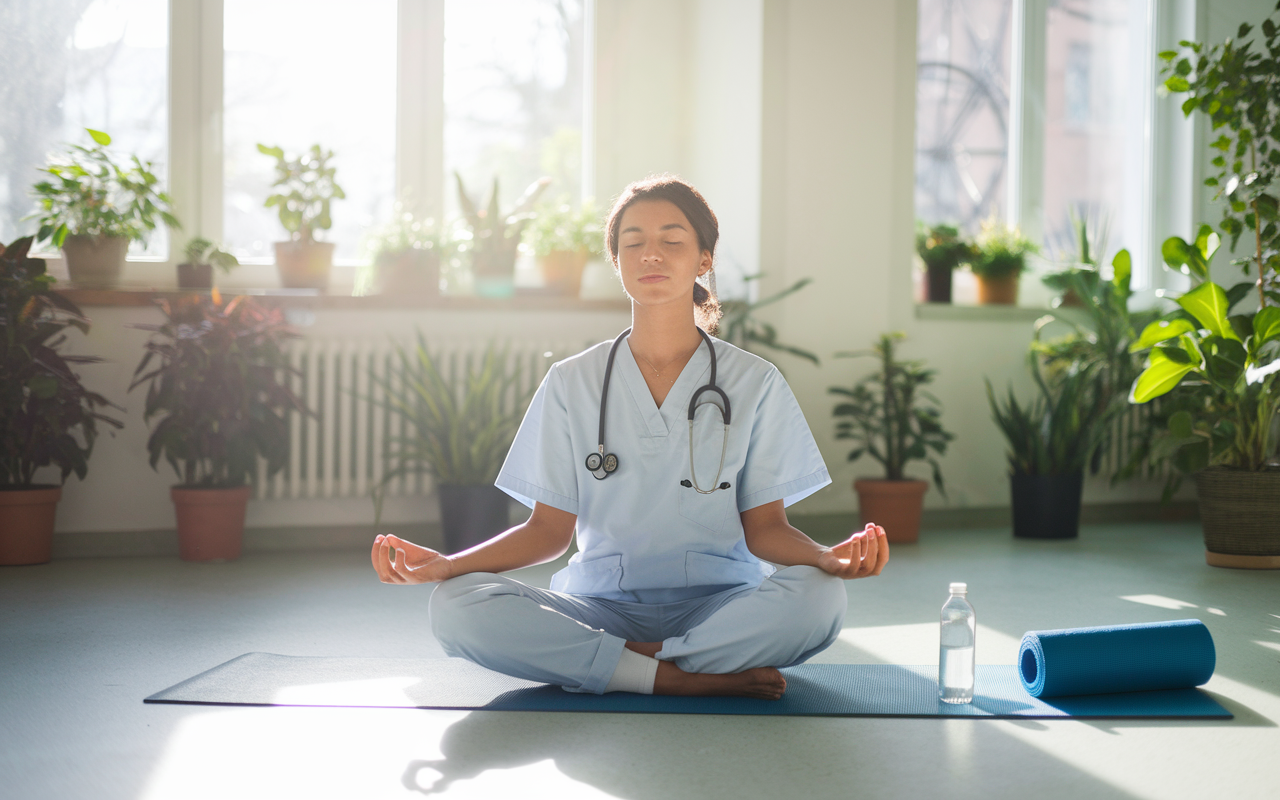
<point x="92" y="208"/>
<point x="495" y="237"/>
<point x="1051" y="440"/>
<point x="1087" y="243"/>
<point x="47" y="416"/>
<point x="890" y="418"/>
<point x="563" y="239"/>
<point x="201" y="256"/>
<point x="305" y="188"/>
<point x="1000" y="257"/>
<point x="741" y="327"/>
<point x="460" y="423"/>
<point x="216" y="376"/>
<point x="1222" y="366"/>
<point x="404" y="257"/>
<point x="942" y="249"/>
<point x="1099" y="342"/>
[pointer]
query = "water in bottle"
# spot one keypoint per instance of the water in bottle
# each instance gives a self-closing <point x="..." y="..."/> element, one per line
<point x="955" y="656"/>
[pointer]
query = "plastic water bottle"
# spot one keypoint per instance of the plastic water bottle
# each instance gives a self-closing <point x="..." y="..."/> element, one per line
<point x="955" y="655"/>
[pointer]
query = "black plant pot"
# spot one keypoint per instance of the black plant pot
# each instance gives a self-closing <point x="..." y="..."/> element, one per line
<point x="1046" y="506"/>
<point x="471" y="515"/>
<point x="938" y="284"/>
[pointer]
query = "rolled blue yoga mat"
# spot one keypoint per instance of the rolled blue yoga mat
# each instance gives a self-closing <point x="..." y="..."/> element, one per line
<point x="1116" y="658"/>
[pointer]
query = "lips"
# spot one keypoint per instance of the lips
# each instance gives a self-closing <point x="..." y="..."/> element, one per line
<point x="652" y="278"/>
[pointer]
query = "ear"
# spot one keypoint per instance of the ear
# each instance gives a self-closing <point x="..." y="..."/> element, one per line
<point x="705" y="265"/>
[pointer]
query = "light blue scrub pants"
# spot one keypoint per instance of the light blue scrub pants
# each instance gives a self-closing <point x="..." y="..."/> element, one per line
<point x="575" y="641"/>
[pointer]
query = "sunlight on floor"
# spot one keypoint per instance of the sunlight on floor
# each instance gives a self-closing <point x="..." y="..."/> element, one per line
<point x="1141" y="758"/>
<point x="1160" y="601"/>
<point x="372" y="692"/>
<point x="913" y="644"/>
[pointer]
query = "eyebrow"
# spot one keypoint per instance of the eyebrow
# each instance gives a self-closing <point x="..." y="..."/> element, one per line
<point x="667" y="227"/>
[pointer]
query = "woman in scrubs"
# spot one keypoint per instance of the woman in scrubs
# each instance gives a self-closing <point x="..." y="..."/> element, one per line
<point x="688" y="578"/>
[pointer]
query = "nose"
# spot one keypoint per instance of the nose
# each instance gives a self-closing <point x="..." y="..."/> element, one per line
<point x="650" y="254"/>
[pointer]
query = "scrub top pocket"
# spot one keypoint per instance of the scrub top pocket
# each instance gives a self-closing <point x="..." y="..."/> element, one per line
<point x="711" y="511"/>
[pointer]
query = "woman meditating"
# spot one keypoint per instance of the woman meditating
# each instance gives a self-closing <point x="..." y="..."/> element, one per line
<point x="672" y="455"/>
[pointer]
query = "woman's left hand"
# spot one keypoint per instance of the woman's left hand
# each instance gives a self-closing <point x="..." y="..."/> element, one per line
<point x="860" y="556"/>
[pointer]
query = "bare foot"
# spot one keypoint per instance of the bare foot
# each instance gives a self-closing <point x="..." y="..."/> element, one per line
<point x="649" y="649"/>
<point x="765" y="683"/>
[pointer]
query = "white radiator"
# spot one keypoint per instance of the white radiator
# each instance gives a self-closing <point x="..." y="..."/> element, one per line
<point x="342" y="451"/>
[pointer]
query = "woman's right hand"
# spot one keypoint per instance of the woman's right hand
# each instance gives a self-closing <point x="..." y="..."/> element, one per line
<point x="399" y="561"/>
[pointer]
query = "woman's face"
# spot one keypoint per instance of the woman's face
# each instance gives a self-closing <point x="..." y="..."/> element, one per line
<point x="658" y="255"/>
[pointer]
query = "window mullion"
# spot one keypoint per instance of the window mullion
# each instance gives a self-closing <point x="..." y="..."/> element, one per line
<point x="420" y="178"/>
<point x="1026" y="117"/>
<point x="195" y="119"/>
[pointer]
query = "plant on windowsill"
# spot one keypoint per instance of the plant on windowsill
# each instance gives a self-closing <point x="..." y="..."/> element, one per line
<point x="942" y="249"/>
<point x="460" y="420"/>
<point x="1051" y="440"/>
<point x="305" y="189"/>
<point x="404" y="257"/>
<point x="563" y="240"/>
<point x="1220" y="367"/>
<point x="1000" y="257"/>
<point x="495" y="237"/>
<point x="47" y="416"/>
<point x="201" y="256"/>
<point x="217" y="376"/>
<point x="1088" y="244"/>
<point x="92" y="207"/>
<point x="891" y="418"/>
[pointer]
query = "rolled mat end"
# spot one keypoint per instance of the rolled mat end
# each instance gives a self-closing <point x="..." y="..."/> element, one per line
<point x="1116" y="658"/>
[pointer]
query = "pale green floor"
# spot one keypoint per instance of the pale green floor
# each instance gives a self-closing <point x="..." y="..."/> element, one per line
<point x="83" y="641"/>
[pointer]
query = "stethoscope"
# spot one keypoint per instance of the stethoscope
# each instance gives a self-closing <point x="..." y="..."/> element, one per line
<point x="602" y="465"/>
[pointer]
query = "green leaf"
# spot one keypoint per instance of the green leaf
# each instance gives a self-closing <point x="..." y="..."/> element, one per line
<point x="99" y="137"/>
<point x="1239" y="292"/>
<point x="1266" y="326"/>
<point x="1159" y="331"/>
<point x="1167" y="55"/>
<point x="1180" y="425"/>
<point x="1208" y="304"/>
<point x="1193" y="456"/>
<point x="274" y="152"/>
<point x="1207" y="242"/>
<point x="1123" y="266"/>
<point x="1175" y="354"/>
<point x="1158" y="378"/>
<point x="1177" y="83"/>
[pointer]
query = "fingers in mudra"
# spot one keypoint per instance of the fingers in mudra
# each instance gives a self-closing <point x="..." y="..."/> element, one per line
<point x="861" y="555"/>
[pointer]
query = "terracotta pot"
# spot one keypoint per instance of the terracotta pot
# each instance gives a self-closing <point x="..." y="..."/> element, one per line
<point x="210" y="522"/>
<point x="195" y="276"/>
<point x="415" y="273"/>
<point x="304" y="265"/>
<point x="562" y="270"/>
<point x="1239" y="512"/>
<point x="95" y="262"/>
<point x="893" y="505"/>
<point x="938" y="284"/>
<point x="998" y="291"/>
<point x="26" y="524"/>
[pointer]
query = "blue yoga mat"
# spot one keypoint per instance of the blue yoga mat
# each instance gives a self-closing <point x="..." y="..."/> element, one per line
<point x="880" y="690"/>
<point x="1116" y="658"/>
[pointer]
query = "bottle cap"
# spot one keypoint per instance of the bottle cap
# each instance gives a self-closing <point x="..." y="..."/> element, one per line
<point x="959" y="588"/>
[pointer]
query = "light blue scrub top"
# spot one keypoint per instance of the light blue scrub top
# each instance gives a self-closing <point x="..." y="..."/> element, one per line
<point x="642" y="537"/>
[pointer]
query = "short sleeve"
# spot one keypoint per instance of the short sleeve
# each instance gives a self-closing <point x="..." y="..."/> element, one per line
<point x="538" y="465"/>
<point x="783" y="461"/>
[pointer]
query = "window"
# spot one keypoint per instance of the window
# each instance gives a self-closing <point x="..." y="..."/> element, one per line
<point x="1044" y="112"/>
<point x="513" y="97"/>
<point x="962" y="110"/>
<point x="1095" y="131"/>
<point x="70" y="66"/>
<point x="304" y="72"/>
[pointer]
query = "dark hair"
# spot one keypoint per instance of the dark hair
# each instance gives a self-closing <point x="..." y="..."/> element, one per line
<point x="707" y="310"/>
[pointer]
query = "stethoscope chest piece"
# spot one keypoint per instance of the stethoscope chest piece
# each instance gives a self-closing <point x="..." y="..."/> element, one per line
<point x="601" y="466"/>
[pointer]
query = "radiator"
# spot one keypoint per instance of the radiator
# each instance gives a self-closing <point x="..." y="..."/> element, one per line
<point x="342" y="450"/>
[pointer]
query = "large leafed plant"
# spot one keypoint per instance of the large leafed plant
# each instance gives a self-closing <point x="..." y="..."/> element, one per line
<point x="47" y="416"/>
<point x="217" y="377"/>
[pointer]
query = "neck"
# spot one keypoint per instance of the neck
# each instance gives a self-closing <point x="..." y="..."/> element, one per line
<point x="663" y="333"/>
